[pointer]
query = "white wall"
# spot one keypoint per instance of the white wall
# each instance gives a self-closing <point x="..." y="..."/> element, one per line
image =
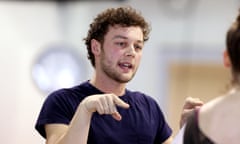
<point x="24" y="31"/>
<point x="27" y="28"/>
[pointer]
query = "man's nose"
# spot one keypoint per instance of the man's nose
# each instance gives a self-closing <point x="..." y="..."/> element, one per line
<point x="130" y="51"/>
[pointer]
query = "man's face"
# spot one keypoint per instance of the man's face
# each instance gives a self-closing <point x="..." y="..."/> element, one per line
<point x="121" y="53"/>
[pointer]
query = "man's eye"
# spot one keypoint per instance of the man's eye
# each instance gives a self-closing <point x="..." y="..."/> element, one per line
<point x="121" y="43"/>
<point x="138" y="47"/>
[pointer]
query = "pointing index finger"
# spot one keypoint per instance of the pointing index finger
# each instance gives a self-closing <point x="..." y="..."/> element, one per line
<point x="120" y="102"/>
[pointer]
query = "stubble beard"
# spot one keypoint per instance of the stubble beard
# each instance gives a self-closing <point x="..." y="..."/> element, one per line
<point x="110" y="71"/>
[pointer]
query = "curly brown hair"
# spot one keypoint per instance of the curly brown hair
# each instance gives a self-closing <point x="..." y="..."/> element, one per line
<point x="123" y="16"/>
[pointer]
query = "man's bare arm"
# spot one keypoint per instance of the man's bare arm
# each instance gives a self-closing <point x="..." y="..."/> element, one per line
<point x="78" y="129"/>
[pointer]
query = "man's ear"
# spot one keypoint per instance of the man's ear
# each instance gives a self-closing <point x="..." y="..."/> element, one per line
<point x="95" y="47"/>
<point x="226" y="60"/>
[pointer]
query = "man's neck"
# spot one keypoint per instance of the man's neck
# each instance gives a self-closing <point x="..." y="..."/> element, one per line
<point x="109" y="86"/>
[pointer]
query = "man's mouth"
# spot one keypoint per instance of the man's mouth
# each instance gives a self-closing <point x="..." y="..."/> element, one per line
<point x="125" y="65"/>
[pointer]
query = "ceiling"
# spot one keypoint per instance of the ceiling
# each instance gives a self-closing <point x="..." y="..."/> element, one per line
<point x="62" y="0"/>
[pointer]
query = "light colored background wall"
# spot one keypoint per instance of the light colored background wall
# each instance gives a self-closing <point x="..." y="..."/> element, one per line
<point x="27" y="28"/>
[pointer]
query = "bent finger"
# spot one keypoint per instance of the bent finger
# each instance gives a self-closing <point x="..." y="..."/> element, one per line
<point x="192" y="103"/>
<point x="117" y="116"/>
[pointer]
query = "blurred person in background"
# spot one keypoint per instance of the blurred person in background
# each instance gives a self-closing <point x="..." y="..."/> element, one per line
<point x="217" y="122"/>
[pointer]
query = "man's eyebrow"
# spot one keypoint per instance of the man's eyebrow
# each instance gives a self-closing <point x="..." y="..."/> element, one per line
<point x="123" y="37"/>
<point x="119" y="36"/>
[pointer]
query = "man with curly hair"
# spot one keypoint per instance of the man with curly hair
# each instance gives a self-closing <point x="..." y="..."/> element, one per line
<point x="101" y="110"/>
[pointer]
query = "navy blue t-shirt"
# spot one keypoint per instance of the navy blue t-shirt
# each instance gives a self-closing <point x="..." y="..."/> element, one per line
<point x="142" y="123"/>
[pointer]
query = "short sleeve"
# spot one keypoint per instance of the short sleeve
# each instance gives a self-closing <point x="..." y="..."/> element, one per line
<point x="59" y="107"/>
<point x="164" y="130"/>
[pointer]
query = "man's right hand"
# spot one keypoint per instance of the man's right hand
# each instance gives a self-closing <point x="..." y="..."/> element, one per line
<point x="104" y="104"/>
